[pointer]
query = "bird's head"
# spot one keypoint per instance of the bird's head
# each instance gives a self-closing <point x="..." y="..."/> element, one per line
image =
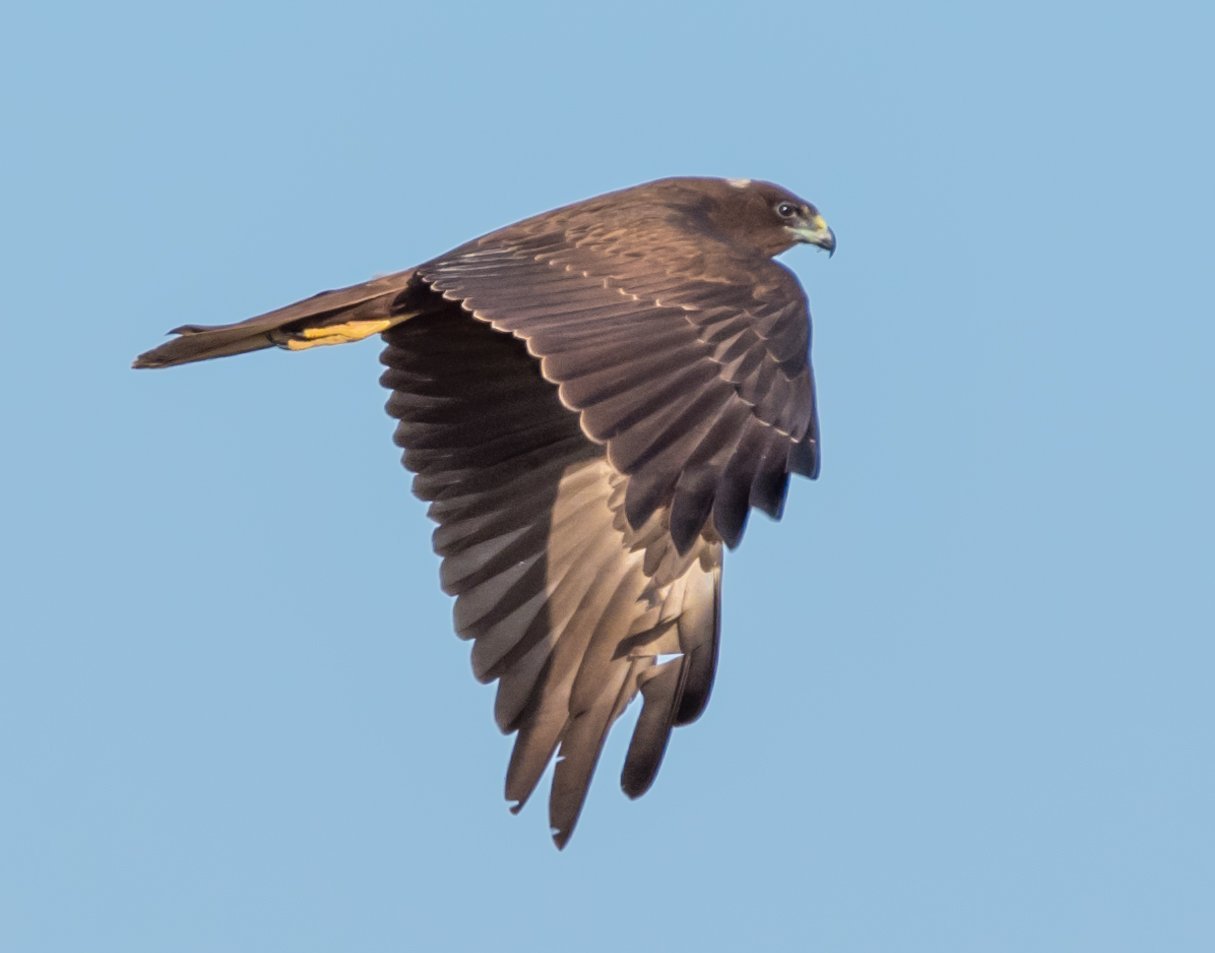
<point x="768" y="217"/>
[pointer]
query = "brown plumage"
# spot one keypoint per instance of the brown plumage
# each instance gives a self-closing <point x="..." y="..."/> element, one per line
<point x="591" y="400"/>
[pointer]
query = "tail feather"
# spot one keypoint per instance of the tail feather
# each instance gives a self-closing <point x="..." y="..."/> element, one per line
<point x="331" y="317"/>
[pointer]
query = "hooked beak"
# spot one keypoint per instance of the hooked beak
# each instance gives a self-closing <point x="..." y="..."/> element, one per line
<point x="816" y="233"/>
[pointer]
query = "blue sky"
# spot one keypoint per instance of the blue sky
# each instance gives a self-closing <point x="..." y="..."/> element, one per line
<point x="965" y="695"/>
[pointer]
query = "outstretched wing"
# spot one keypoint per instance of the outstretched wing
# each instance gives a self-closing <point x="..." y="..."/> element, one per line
<point x="567" y="604"/>
<point x="690" y="363"/>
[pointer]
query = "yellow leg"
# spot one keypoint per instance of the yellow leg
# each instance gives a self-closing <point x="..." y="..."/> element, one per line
<point x="338" y="333"/>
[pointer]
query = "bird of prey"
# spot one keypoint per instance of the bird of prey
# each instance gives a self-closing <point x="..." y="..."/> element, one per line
<point x="592" y="400"/>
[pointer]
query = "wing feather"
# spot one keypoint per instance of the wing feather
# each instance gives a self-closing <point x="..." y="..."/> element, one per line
<point x="644" y="347"/>
<point x="566" y="603"/>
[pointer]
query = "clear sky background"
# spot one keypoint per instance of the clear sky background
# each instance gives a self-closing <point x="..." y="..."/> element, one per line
<point x="965" y="699"/>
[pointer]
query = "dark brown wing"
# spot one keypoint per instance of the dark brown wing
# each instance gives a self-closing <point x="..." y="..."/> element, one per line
<point x="568" y="605"/>
<point x="687" y="358"/>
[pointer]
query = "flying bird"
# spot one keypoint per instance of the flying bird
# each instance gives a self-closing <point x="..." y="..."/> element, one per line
<point x="591" y="400"/>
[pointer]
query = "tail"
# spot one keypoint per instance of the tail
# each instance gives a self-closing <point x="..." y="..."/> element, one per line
<point x="331" y="317"/>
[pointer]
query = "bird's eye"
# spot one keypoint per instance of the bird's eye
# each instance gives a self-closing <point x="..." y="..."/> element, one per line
<point x="786" y="210"/>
